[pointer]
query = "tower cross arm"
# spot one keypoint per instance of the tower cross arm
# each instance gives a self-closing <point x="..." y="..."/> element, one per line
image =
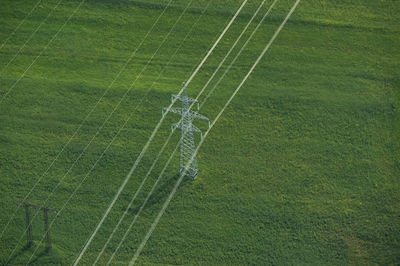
<point x="36" y="205"/>
<point x="198" y="116"/>
<point x="180" y="97"/>
<point x="173" y="110"/>
<point x="190" y="128"/>
<point x="195" y="129"/>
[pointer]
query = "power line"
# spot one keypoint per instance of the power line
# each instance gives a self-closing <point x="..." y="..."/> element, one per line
<point x="239" y="53"/>
<point x="94" y="138"/>
<point x="215" y="44"/>
<point x="145" y="201"/>
<point x="36" y="58"/>
<point x="231" y="49"/>
<point x="133" y="198"/>
<point x="87" y="116"/>
<point x="19" y="25"/>
<point x="183" y="168"/>
<point x="138" y="159"/>
<point x="166" y="203"/>
<point x="166" y="142"/>
<point x="59" y="30"/>
<point x="131" y="86"/>
<point x="161" y="150"/>
<point x="30" y="37"/>
<point x="98" y="159"/>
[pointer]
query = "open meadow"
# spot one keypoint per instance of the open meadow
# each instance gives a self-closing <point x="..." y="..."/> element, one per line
<point x="302" y="168"/>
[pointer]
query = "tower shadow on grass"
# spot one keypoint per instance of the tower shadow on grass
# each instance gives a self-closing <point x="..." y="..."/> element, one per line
<point x="40" y="255"/>
<point x="47" y="257"/>
<point x="161" y="192"/>
<point x="50" y="257"/>
<point x="20" y="252"/>
<point x="26" y="252"/>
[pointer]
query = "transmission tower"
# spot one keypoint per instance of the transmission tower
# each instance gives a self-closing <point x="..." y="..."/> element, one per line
<point x="29" y="222"/>
<point x="187" y="128"/>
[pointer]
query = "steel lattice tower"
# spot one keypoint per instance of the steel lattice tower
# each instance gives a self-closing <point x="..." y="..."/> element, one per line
<point x="187" y="145"/>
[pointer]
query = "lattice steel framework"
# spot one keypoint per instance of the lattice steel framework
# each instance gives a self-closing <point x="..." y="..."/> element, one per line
<point x="187" y="128"/>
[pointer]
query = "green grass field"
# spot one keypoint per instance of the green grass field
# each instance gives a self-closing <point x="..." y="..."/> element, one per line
<point x="302" y="168"/>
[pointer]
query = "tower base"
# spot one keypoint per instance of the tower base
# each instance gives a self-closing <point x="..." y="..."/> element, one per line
<point x="190" y="173"/>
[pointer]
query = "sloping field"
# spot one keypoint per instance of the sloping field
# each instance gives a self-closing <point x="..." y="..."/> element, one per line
<point x="302" y="168"/>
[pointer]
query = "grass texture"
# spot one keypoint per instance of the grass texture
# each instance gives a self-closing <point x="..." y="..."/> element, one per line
<point x="302" y="168"/>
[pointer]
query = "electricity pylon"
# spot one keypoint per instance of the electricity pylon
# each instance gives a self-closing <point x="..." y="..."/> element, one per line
<point x="29" y="222"/>
<point x="187" y="145"/>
